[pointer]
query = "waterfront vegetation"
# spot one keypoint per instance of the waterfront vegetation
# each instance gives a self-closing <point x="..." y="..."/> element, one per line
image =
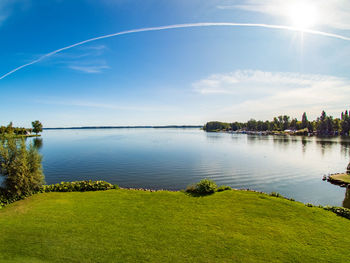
<point x="144" y="226"/>
<point x="10" y="131"/>
<point x="323" y="125"/>
<point x="20" y="168"/>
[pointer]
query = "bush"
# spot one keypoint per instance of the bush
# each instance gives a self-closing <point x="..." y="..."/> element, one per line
<point x="340" y="211"/>
<point x="204" y="187"/>
<point x="21" y="168"/>
<point x="276" y="194"/>
<point x="79" y="186"/>
<point x="223" y="188"/>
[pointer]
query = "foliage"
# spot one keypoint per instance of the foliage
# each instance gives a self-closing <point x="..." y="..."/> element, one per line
<point x="275" y="194"/>
<point x="204" y="187"/>
<point x="223" y="188"/>
<point x="10" y="130"/>
<point x="79" y="186"/>
<point x="340" y="211"/>
<point x="216" y="126"/>
<point x="21" y="168"/>
<point x="323" y="125"/>
<point x="37" y="127"/>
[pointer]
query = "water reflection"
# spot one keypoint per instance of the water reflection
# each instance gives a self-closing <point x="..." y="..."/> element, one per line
<point x="38" y="143"/>
<point x="346" y="202"/>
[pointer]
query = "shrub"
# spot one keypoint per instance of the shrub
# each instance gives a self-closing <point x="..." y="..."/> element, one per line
<point x="21" y="168"/>
<point x="223" y="188"/>
<point x="204" y="187"/>
<point x="340" y="211"/>
<point x="276" y="194"/>
<point x="79" y="186"/>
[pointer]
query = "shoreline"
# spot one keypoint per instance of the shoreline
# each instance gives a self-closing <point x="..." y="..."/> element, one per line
<point x="341" y="179"/>
<point x="277" y="133"/>
<point x="19" y="136"/>
<point x="127" y="127"/>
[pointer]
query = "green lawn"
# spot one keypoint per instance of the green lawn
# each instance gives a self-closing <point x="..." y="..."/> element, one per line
<point x="341" y="178"/>
<point x="138" y="226"/>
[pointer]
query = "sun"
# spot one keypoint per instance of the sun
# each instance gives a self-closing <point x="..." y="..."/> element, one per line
<point x="302" y="15"/>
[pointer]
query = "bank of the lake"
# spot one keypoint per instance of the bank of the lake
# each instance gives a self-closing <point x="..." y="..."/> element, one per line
<point x="340" y="178"/>
<point x="163" y="226"/>
<point x="18" y="136"/>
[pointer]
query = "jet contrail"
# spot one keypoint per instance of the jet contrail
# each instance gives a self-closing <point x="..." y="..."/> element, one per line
<point x="146" y="29"/>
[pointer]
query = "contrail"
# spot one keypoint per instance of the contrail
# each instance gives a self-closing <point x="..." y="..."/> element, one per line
<point x="146" y="29"/>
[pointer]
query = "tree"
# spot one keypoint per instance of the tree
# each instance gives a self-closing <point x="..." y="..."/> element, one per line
<point x="322" y="124"/>
<point x="37" y="127"/>
<point x="286" y="122"/>
<point x="9" y="128"/>
<point x="21" y="168"/>
<point x="294" y="124"/>
<point x="304" y="121"/>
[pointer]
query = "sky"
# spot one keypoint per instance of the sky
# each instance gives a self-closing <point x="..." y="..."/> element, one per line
<point x="177" y="76"/>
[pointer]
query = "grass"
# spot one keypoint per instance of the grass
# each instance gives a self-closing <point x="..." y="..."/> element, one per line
<point x="139" y="226"/>
<point x="342" y="178"/>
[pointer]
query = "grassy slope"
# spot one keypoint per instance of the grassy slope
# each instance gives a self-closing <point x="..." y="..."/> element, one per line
<point x="341" y="177"/>
<point x="134" y="226"/>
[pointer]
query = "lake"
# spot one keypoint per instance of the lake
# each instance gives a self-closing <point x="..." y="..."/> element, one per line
<point x="174" y="158"/>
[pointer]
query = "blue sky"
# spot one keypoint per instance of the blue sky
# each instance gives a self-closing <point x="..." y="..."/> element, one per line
<point x="176" y="76"/>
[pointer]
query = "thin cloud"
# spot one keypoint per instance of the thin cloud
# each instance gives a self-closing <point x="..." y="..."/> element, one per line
<point x="332" y="13"/>
<point x="89" y="69"/>
<point x="259" y="93"/>
<point x="7" y="8"/>
<point x="84" y="59"/>
<point x="256" y="81"/>
<point x="177" y="26"/>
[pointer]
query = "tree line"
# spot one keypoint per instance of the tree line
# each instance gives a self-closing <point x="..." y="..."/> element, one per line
<point x="37" y="127"/>
<point x="323" y="125"/>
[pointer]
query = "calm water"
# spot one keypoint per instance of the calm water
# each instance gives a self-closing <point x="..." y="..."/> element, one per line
<point x="175" y="158"/>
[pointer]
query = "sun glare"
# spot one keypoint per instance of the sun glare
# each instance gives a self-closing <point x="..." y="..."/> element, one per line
<point x="302" y="15"/>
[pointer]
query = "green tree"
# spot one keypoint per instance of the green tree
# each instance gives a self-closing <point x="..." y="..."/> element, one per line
<point x="21" y="168"/>
<point x="9" y="128"/>
<point x="37" y="127"/>
<point x="304" y="121"/>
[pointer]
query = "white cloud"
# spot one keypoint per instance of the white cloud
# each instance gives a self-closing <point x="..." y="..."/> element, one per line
<point x="85" y="59"/>
<point x="256" y="81"/>
<point x="331" y="13"/>
<point x="7" y="8"/>
<point x="262" y="94"/>
<point x="89" y="69"/>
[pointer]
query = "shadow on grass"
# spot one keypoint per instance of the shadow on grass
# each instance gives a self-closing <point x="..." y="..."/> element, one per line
<point x="194" y="194"/>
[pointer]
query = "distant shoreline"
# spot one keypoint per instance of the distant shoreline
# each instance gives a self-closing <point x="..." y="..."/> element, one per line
<point x="126" y="127"/>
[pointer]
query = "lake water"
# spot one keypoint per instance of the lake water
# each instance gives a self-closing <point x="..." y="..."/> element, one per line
<point x="174" y="158"/>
